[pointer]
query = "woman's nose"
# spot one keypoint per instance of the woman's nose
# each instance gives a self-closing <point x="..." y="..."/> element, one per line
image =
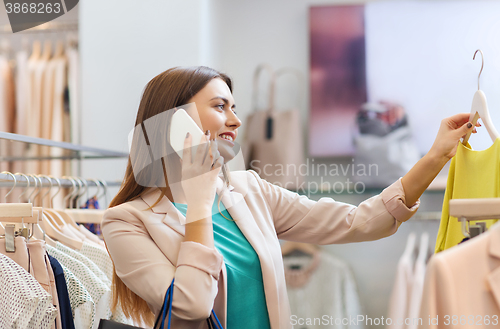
<point x="233" y="120"/>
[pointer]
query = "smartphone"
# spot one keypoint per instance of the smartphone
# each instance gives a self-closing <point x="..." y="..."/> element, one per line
<point x="181" y="124"/>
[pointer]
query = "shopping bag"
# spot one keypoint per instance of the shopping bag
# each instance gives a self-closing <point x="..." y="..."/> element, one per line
<point x="108" y="324"/>
<point x="273" y="141"/>
<point x="165" y="312"/>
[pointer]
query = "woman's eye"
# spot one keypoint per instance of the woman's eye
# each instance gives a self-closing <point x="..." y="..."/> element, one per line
<point x="220" y="106"/>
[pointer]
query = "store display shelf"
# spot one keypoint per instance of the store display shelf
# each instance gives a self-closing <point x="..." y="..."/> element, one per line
<point x="77" y="150"/>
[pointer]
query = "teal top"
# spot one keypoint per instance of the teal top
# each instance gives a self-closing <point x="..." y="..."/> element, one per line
<point x="246" y="301"/>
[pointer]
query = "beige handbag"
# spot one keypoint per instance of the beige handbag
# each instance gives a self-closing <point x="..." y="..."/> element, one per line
<point x="273" y="140"/>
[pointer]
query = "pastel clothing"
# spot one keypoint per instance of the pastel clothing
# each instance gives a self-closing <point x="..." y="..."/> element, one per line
<point x="148" y="248"/>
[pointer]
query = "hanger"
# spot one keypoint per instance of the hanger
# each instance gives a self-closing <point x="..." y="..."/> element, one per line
<point x="104" y="193"/>
<point x="16" y="213"/>
<point x="50" y="227"/>
<point x="14" y="210"/>
<point x="93" y="216"/>
<point x="64" y="216"/>
<point x="38" y="232"/>
<point x="480" y="108"/>
<point x="306" y="248"/>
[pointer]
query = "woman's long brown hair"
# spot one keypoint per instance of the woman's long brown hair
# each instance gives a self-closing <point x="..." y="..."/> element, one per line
<point x="170" y="89"/>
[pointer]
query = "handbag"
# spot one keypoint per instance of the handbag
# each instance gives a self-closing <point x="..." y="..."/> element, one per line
<point x="166" y="310"/>
<point x="273" y="141"/>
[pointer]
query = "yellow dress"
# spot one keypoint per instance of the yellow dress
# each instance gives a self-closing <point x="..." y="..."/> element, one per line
<point x="473" y="174"/>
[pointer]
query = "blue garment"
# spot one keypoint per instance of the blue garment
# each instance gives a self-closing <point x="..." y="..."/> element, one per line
<point x="62" y="294"/>
<point x="246" y="301"/>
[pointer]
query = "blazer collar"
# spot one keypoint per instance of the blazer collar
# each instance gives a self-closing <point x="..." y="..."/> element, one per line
<point x="165" y="206"/>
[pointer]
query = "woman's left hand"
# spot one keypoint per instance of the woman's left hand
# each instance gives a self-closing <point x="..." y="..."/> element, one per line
<point x="451" y="130"/>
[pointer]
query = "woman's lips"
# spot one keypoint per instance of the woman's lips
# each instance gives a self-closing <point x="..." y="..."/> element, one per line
<point x="226" y="141"/>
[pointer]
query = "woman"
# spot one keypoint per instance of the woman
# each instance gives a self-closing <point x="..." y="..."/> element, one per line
<point x="153" y="240"/>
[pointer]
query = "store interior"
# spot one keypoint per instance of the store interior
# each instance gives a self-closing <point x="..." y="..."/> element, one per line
<point x="417" y="54"/>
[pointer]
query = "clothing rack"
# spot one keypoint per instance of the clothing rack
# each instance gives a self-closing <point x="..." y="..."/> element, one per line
<point x="77" y="149"/>
<point x="426" y="216"/>
<point x="43" y="28"/>
<point x="6" y="180"/>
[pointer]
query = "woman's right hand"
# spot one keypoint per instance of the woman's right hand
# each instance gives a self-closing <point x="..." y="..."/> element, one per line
<point x="199" y="176"/>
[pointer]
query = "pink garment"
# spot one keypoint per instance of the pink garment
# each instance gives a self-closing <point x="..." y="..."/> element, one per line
<point x="148" y="250"/>
<point x="42" y="271"/>
<point x="20" y="256"/>
<point x="464" y="281"/>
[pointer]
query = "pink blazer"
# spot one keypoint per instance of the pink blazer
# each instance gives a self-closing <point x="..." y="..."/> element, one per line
<point x="148" y="250"/>
<point x="462" y="285"/>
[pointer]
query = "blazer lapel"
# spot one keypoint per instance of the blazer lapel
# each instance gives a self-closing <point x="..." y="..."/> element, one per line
<point x="494" y="249"/>
<point x="173" y="217"/>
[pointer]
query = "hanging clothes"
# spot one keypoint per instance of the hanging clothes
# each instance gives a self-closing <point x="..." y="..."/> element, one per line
<point x="42" y="271"/>
<point x="22" y="101"/>
<point x="29" y="305"/>
<point x="62" y="294"/>
<point x="472" y="174"/>
<point x="98" y="290"/>
<point x="81" y="301"/>
<point x="462" y="285"/>
<point x="322" y="285"/>
<point x="417" y="287"/>
<point x="400" y="296"/>
<point x="7" y="111"/>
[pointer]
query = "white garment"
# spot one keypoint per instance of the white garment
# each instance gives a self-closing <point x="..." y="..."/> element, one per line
<point x="331" y="290"/>
<point x="82" y="305"/>
<point x="100" y="257"/>
<point x="417" y="288"/>
<point x="28" y="305"/>
<point x="98" y="290"/>
<point x="91" y="236"/>
<point x="86" y="261"/>
<point x="400" y="296"/>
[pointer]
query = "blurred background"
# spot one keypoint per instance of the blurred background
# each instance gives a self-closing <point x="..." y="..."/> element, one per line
<point x="366" y="83"/>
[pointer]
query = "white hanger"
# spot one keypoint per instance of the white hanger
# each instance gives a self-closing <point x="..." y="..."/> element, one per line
<point x="480" y="108"/>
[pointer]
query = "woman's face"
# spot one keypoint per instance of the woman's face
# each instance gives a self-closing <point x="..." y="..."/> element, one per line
<point x="216" y="110"/>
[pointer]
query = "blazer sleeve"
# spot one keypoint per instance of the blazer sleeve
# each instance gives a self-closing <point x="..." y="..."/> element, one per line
<point x="298" y="218"/>
<point x="145" y="269"/>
